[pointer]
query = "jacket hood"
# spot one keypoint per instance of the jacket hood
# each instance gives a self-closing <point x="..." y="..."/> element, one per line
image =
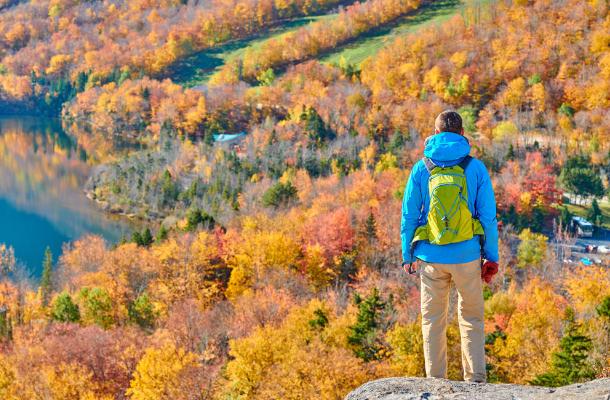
<point x="446" y="149"/>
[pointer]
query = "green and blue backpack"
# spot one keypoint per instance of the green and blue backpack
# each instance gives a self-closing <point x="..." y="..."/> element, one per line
<point x="449" y="218"/>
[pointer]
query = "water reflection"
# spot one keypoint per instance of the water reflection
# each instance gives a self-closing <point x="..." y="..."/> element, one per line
<point x="42" y="173"/>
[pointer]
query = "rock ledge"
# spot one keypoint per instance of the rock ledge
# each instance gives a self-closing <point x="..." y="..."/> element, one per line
<point x="442" y="389"/>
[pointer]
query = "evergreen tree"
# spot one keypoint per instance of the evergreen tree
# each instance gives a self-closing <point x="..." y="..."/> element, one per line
<point x="320" y="320"/>
<point x="141" y="312"/>
<point x="162" y="233"/>
<point x="595" y="213"/>
<point x="315" y="127"/>
<point x="279" y="194"/>
<point x="46" y="280"/>
<point x="97" y="306"/>
<point x="603" y="309"/>
<point x="64" y="309"/>
<point x="147" y="238"/>
<point x="136" y="237"/>
<point x="6" y="325"/>
<point x="81" y="81"/>
<point x="364" y="337"/>
<point x="169" y="189"/>
<point x="510" y="155"/>
<point x="565" y="217"/>
<point x="370" y="227"/>
<point x="569" y="364"/>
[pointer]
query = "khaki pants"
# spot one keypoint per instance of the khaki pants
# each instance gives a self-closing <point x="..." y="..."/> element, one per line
<point x="435" y="284"/>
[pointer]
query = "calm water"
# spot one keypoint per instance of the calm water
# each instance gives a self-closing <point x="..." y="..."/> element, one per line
<point x="42" y="173"/>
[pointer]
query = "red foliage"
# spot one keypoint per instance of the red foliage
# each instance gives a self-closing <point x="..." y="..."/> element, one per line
<point x="333" y="231"/>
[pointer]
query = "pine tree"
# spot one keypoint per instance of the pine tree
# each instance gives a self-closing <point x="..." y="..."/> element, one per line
<point x="603" y="310"/>
<point x="136" y="237"/>
<point x="46" y="280"/>
<point x="162" y="233"/>
<point x="595" y="213"/>
<point x="510" y="155"/>
<point x="147" y="238"/>
<point x="565" y="217"/>
<point x="64" y="309"/>
<point x="569" y="364"/>
<point x="142" y="312"/>
<point x="320" y="320"/>
<point x="364" y="335"/>
<point x="6" y="326"/>
<point x="370" y="227"/>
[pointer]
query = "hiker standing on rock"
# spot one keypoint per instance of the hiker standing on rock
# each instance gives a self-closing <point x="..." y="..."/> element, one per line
<point x="449" y="224"/>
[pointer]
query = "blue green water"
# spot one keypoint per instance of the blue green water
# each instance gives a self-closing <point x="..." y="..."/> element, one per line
<point x="42" y="173"/>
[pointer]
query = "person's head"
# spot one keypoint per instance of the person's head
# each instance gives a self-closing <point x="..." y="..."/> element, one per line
<point x="448" y="121"/>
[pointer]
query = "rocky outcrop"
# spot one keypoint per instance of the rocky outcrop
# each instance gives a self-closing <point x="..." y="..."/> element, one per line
<point x="442" y="389"/>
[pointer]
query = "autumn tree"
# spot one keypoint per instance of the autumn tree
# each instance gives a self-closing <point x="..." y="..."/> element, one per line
<point x="166" y="373"/>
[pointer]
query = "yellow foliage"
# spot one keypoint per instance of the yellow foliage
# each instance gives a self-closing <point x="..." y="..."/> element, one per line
<point x="532" y="249"/>
<point x="538" y="94"/>
<point x="318" y="273"/>
<point x="501" y="303"/>
<point x="407" y="344"/>
<point x="514" y="93"/>
<point x="367" y="155"/>
<point x="587" y="287"/>
<point x="600" y="41"/>
<point x="163" y="374"/>
<point x="314" y="371"/>
<point x="459" y="59"/>
<point x="598" y="94"/>
<point x="294" y="360"/>
<point x="58" y="63"/>
<point x="505" y="130"/>
<point x="70" y="382"/>
<point x="7" y="379"/>
<point x="532" y="333"/>
<point x="242" y="277"/>
<point x="434" y="80"/>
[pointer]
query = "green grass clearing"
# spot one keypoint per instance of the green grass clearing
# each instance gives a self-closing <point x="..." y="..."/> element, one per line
<point x="369" y="44"/>
<point x="197" y="69"/>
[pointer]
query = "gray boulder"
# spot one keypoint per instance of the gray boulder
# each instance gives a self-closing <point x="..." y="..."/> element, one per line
<point x="443" y="389"/>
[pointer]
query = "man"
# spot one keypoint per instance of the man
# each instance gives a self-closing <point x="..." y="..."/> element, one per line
<point x="449" y="224"/>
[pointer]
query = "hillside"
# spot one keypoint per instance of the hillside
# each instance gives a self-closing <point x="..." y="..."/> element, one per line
<point x="266" y="259"/>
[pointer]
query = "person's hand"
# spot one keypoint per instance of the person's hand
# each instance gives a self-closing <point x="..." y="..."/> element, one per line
<point x="409" y="268"/>
<point x="488" y="270"/>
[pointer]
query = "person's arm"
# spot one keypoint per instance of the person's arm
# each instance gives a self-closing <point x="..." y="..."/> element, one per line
<point x="411" y="209"/>
<point x="485" y="206"/>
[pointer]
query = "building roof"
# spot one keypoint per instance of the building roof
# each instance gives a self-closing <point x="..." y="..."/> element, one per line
<point x="228" y="137"/>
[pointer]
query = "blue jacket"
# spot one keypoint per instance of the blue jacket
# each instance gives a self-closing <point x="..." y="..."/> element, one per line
<point x="446" y="149"/>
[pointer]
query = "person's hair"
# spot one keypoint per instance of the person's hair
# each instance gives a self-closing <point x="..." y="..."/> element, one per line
<point x="448" y="121"/>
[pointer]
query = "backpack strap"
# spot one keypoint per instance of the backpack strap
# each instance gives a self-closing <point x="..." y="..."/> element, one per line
<point x="465" y="161"/>
<point x="429" y="164"/>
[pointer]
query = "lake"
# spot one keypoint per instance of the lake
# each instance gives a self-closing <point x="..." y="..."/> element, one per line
<point x="42" y="173"/>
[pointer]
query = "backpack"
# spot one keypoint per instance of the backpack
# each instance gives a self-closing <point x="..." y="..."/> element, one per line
<point x="449" y="218"/>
